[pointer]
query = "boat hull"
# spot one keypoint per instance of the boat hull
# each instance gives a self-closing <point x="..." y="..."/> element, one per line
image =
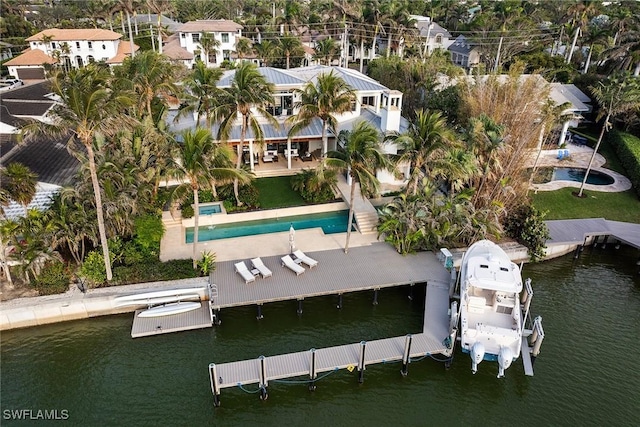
<point x="170" y="309"/>
<point x="490" y="312"/>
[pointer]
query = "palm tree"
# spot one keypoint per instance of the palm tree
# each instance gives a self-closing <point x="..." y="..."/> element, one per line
<point x="203" y="92"/>
<point x="209" y="45"/>
<point x="330" y="95"/>
<point x="243" y="47"/>
<point x="289" y="46"/>
<point x="266" y="51"/>
<point x="249" y="92"/>
<point x="326" y="51"/>
<point x="87" y="108"/>
<point x="198" y="159"/>
<point x="150" y="76"/>
<point x="425" y="142"/>
<point x="361" y="156"/>
<point x="617" y="95"/>
<point x="20" y="183"/>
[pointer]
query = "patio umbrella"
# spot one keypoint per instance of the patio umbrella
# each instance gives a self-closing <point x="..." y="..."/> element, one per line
<point x="292" y="235"/>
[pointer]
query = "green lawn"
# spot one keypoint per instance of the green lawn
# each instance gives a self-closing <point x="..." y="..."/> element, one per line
<point x="561" y="204"/>
<point x="276" y="192"/>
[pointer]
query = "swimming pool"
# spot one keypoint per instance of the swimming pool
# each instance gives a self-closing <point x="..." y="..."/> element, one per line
<point x="210" y="209"/>
<point x="545" y="175"/>
<point x="330" y="222"/>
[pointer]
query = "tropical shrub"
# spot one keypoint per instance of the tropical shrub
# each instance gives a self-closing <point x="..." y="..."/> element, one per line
<point x="207" y="263"/>
<point x="54" y="278"/>
<point x="313" y="186"/>
<point x="148" y="232"/>
<point x="187" y="211"/>
<point x="526" y="225"/>
<point x="93" y="268"/>
<point x="627" y="148"/>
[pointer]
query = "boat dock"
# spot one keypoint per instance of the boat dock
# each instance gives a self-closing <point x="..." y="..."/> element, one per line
<point x="435" y="339"/>
<point x="580" y="231"/>
<point x="196" y="319"/>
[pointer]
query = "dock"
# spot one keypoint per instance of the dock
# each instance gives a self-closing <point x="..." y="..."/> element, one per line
<point x="147" y="326"/>
<point x="579" y="231"/>
<point x="435" y="339"/>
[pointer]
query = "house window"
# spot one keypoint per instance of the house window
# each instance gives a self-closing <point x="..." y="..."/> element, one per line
<point x="225" y="37"/>
<point x="439" y="39"/>
<point x="53" y="45"/>
<point x="195" y="37"/>
<point x="226" y="55"/>
<point x="354" y="105"/>
<point x="104" y="46"/>
<point x="213" y="58"/>
<point x="90" y="59"/>
<point x="77" y="45"/>
<point x="90" y="45"/>
<point x="368" y="100"/>
<point x="183" y="35"/>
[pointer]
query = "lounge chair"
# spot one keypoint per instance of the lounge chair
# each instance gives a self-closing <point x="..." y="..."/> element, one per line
<point x="242" y="269"/>
<point x="305" y="259"/>
<point x="289" y="262"/>
<point x="259" y="265"/>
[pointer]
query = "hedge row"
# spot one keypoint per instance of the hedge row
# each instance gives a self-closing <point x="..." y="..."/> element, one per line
<point x="627" y="148"/>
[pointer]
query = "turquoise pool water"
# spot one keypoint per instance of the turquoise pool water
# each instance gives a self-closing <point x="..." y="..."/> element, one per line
<point x="210" y="209"/>
<point x="331" y="222"/>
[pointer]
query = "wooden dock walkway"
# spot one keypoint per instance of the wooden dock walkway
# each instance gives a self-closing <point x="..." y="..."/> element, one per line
<point x="196" y="319"/>
<point x="370" y="267"/>
<point x="577" y="231"/>
<point x="432" y="341"/>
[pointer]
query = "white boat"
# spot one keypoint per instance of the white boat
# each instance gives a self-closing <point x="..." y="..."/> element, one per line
<point x="170" y="309"/>
<point x="490" y="315"/>
<point x="158" y="300"/>
<point x="141" y="299"/>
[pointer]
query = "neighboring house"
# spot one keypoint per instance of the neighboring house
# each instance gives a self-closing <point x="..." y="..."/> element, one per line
<point x="172" y="49"/>
<point x="431" y="34"/>
<point x="375" y="103"/>
<point x="5" y="51"/>
<point x="464" y="54"/>
<point x="224" y="31"/>
<point x="74" y="48"/>
<point x="143" y="20"/>
<point x="577" y="103"/>
<point x="47" y="157"/>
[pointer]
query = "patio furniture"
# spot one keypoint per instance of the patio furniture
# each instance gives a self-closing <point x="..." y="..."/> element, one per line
<point x="288" y="262"/>
<point x="293" y="153"/>
<point x="304" y="259"/>
<point x="243" y="271"/>
<point x="307" y="157"/>
<point x="259" y="265"/>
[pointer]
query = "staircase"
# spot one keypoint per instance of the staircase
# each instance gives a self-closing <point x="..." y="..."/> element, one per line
<point x="366" y="222"/>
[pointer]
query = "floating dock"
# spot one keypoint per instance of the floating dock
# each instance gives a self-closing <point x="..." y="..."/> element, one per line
<point x="436" y="339"/>
<point x="196" y="319"/>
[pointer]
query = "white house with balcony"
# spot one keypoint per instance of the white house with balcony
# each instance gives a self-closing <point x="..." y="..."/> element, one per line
<point x="432" y="35"/>
<point x="224" y="31"/>
<point x="374" y="103"/>
<point x="72" y="47"/>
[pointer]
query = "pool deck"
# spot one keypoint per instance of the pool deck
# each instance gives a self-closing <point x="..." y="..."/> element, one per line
<point x="579" y="157"/>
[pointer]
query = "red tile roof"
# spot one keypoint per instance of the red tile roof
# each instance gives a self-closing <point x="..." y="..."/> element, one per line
<point x="91" y="34"/>
<point x="31" y="57"/>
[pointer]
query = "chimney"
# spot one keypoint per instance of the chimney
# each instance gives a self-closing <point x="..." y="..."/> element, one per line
<point x="390" y="111"/>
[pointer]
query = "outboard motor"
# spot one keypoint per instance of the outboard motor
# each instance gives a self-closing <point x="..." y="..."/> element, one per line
<point x="505" y="357"/>
<point x="477" y="355"/>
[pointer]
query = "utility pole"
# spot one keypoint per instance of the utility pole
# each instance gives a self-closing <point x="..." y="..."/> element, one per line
<point x="573" y="45"/>
<point x="426" y="43"/>
<point x="495" y="66"/>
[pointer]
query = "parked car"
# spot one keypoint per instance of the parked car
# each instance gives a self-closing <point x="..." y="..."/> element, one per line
<point x="6" y="84"/>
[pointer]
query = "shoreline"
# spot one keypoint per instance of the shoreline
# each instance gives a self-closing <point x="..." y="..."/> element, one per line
<point x="27" y="312"/>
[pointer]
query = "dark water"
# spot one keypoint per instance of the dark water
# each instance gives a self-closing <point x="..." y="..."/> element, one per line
<point x="587" y="374"/>
<point x="577" y="175"/>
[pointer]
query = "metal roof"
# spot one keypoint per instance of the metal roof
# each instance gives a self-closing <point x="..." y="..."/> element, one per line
<point x="461" y="45"/>
<point x="276" y="76"/>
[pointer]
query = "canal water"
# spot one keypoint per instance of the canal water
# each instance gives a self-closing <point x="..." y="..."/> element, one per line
<point x="588" y="373"/>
